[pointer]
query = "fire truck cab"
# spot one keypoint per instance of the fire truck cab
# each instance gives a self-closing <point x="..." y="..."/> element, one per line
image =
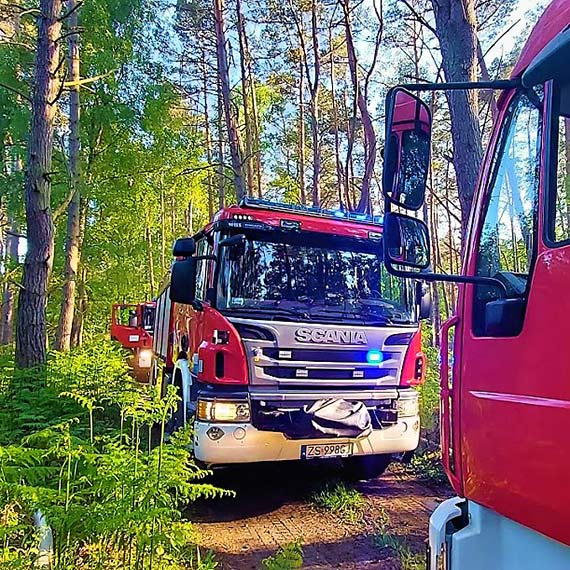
<point x="132" y="326"/>
<point x="288" y="339"/>
<point x="505" y="381"/>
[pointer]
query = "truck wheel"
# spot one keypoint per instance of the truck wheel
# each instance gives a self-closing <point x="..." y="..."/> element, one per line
<point x="363" y="467"/>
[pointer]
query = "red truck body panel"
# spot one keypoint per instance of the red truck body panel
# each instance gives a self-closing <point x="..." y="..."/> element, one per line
<point x="133" y="337"/>
<point x="554" y="19"/>
<point x="309" y="223"/>
<point x="506" y="414"/>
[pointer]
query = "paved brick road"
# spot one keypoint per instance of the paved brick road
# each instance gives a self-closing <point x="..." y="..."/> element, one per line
<point x="272" y="508"/>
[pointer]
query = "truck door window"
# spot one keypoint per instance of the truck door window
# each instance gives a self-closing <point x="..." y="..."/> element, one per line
<point x="559" y="206"/>
<point x="203" y="247"/>
<point x="508" y="233"/>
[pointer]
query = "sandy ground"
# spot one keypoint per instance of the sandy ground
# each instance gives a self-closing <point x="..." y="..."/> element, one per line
<point x="273" y="507"/>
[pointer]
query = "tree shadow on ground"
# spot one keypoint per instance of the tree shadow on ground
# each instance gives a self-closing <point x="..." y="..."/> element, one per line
<point x="262" y="488"/>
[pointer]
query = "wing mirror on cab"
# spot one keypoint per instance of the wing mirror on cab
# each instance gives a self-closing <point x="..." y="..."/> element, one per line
<point x="183" y="281"/>
<point x="406" y="241"/>
<point x="184" y="247"/>
<point x="407" y="149"/>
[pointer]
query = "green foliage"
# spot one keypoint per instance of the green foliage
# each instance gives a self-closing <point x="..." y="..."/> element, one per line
<point x="428" y="466"/>
<point x="341" y="500"/>
<point x="78" y="450"/>
<point x="287" y="557"/>
<point x="384" y="539"/>
<point x="429" y="391"/>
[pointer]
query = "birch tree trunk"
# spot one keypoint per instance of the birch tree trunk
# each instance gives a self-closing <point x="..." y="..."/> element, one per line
<point x="31" y="315"/>
<point x="72" y="252"/>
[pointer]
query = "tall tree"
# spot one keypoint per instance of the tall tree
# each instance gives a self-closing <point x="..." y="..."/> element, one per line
<point x="31" y="314"/>
<point x="72" y="251"/>
<point x="224" y="75"/>
<point x="456" y="29"/>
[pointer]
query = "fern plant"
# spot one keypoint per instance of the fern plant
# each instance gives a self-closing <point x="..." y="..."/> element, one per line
<point x="79" y="450"/>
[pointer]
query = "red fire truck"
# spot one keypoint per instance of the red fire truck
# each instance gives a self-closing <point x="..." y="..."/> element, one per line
<point x="287" y="339"/>
<point x="132" y="325"/>
<point x="505" y="381"/>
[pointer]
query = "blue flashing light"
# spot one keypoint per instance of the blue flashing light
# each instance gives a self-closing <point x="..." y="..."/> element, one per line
<point x="374" y="356"/>
<point x="339" y="213"/>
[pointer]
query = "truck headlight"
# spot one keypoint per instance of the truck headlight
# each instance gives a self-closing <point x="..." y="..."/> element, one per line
<point x="408" y="407"/>
<point x="145" y="358"/>
<point x="223" y="411"/>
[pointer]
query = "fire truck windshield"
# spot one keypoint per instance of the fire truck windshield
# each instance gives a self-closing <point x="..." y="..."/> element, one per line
<point x="314" y="276"/>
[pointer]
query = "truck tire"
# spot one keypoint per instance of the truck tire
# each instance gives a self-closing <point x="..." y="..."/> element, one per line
<point x="364" y="467"/>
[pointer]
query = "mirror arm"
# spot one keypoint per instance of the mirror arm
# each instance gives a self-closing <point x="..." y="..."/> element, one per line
<point x="474" y="280"/>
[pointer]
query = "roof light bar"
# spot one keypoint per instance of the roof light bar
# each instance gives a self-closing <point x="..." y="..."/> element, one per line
<point x="311" y="211"/>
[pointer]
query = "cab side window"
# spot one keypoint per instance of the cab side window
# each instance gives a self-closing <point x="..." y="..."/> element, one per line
<point x="508" y="232"/>
<point x="203" y="247"/>
<point x="559" y="219"/>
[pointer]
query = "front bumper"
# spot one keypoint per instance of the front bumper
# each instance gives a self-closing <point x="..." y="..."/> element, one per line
<point x="243" y="443"/>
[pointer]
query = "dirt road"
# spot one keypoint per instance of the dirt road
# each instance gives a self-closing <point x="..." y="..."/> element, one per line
<point x="273" y="507"/>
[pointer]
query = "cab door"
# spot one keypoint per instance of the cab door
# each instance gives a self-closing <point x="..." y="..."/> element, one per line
<point x="515" y="377"/>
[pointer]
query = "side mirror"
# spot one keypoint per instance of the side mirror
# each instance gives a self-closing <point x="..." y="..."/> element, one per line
<point x="184" y="247"/>
<point x="233" y="241"/>
<point x="183" y="281"/>
<point x="423" y="299"/>
<point x="406" y="241"/>
<point x="407" y="150"/>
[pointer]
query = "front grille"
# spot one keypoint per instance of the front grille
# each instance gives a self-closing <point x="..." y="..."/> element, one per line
<point x="320" y="355"/>
<point x="290" y="372"/>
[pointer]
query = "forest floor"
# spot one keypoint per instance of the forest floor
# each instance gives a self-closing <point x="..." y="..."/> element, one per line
<point x="274" y="507"/>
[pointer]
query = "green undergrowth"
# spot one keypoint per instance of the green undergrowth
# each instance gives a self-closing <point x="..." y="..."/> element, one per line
<point x="397" y="545"/>
<point x="340" y="499"/>
<point x="288" y="557"/>
<point x="74" y="445"/>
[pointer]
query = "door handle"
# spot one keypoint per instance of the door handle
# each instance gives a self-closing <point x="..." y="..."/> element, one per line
<point x="444" y="352"/>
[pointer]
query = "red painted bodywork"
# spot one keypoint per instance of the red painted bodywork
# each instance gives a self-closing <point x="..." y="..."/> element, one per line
<point x="554" y="19"/>
<point x="414" y="367"/>
<point x="192" y="331"/>
<point x="121" y="333"/>
<point x="326" y="225"/>
<point x="506" y="406"/>
<point x="196" y="329"/>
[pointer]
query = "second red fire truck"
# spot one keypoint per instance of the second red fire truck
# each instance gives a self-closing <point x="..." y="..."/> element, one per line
<point x="288" y="339"/>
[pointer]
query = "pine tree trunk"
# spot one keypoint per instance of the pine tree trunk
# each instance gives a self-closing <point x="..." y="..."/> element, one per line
<point x="302" y="193"/>
<point x="338" y="163"/>
<point x="369" y="134"/>
<point x="456" y="28"/>
<point x="233" y="133"/>
<point x="248" y="158"/>
<point x="72" y="252"/>
<point x="208" y="138"/>
<point x="314" y="106"/>
<point x="8" y="296"/>
<point x="31" y="315"/>
<point x="82" y="304"/>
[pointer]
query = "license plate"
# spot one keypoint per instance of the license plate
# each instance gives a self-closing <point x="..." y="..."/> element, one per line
<point x="317" y="450"/>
